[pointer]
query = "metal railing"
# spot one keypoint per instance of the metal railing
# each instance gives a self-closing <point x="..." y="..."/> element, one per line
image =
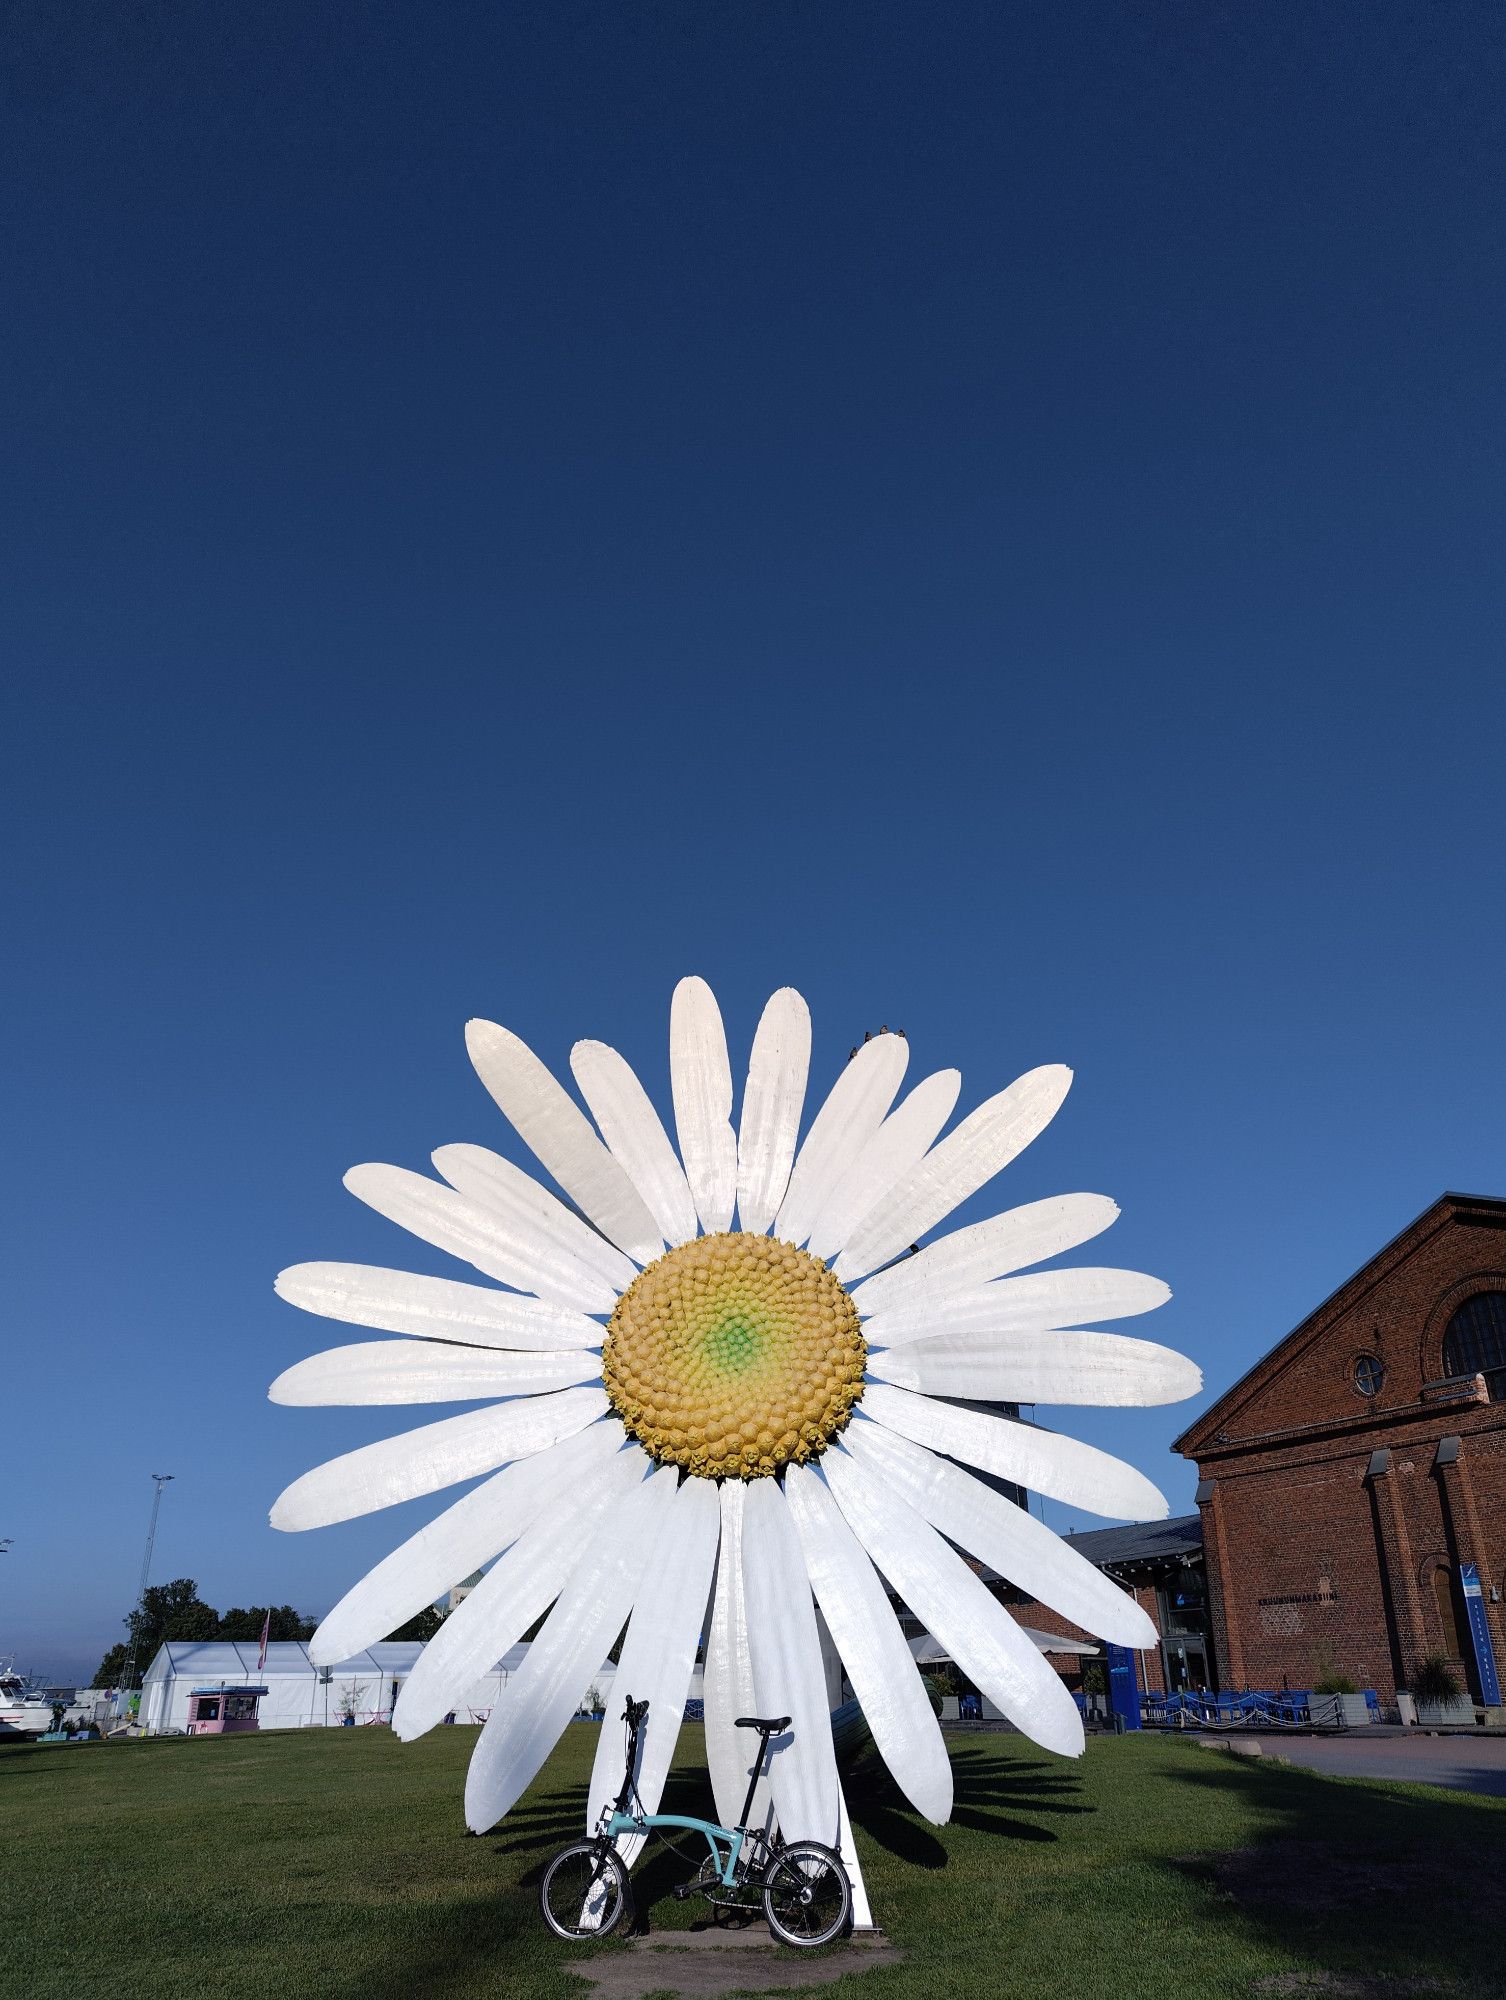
<point x="1255" y="1708"/>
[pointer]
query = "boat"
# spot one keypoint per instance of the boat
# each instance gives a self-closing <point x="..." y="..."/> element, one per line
<point x="26" y="1709"/>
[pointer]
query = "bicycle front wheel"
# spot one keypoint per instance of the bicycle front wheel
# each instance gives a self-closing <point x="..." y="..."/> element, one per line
<point x="584" y="1891"/>
<point x="807" y="1897"/>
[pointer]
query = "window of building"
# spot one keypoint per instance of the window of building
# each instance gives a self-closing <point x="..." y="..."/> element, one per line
<point x="1475" y="1342"/>
<point x="1369" y="1374"/>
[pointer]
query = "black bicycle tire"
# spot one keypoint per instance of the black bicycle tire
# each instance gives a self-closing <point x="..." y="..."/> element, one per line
<point x="788" y="1857"/>
<point x="611" y="1865"/>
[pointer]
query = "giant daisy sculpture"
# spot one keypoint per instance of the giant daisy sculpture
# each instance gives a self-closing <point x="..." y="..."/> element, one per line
<point x="726" y="1377"/>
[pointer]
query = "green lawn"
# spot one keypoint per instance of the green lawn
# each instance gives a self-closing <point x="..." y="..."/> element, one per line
<point x="332" y="1865"/>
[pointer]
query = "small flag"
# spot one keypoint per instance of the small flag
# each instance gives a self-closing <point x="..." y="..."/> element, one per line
<point x="266" y="1633"/>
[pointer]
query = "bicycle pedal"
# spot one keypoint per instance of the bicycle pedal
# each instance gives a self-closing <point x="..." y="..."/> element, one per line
<point x="683" y="1891"/>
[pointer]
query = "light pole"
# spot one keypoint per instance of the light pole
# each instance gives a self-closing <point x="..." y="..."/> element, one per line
<point x="159" y="1480"/>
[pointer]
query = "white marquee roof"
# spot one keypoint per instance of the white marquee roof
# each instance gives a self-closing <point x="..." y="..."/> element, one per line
<point x="213" y="1660"/>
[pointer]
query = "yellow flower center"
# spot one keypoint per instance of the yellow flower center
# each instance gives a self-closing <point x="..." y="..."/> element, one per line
<point x="733" y="1355"/>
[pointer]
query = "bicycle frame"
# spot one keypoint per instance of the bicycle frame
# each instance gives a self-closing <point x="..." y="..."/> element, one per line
<point x="734" y="1839"/>
<point x="621" y="1821"/>
<point x="802" y="1888"/>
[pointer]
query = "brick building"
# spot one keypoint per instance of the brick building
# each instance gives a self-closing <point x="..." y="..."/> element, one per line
<point x="1351" y="1476"/>
<point x="1161" y="1563"/>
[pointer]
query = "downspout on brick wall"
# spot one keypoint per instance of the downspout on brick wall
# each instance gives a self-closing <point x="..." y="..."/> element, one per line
<point x="1399" y="1572"/>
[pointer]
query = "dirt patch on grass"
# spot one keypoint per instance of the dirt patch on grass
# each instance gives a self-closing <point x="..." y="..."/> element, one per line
<point x="704" y="1965"/>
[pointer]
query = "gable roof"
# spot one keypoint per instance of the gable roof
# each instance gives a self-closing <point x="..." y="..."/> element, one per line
<point x="1447" y="1208"/>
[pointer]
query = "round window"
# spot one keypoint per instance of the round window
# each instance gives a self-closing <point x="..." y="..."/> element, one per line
<point x="1369" y="1374"/>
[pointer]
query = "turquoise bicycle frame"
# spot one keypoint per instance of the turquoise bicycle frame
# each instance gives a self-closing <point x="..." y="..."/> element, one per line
<point x="715" y="1837"/>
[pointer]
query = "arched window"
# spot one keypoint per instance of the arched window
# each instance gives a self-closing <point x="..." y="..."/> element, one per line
<point x="1475" y="1343"/>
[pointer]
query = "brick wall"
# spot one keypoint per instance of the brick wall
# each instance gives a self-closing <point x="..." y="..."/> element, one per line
<point x="1320" y="1555"/>
<point x="1041" y="1618"/>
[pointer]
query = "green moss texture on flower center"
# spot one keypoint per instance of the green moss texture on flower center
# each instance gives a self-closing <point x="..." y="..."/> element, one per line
<point x="733" y="1355"/>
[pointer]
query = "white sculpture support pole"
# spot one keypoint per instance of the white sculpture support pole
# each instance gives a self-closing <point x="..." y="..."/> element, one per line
<point x="831" y="1661"/>
<point x="862" y="1914"/>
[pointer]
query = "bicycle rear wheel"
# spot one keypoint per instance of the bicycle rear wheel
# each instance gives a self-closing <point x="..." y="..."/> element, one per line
<point x="807" y="1897"/>
<point x="584" y="1891"/>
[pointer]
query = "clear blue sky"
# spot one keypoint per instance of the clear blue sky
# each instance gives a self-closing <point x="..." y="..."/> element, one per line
<point x="992" y="515"/>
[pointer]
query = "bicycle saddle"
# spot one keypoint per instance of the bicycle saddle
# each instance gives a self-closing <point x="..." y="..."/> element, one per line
<point x="769" y="1724"/>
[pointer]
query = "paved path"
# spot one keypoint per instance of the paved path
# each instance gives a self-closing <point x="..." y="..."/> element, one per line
<point x="1466" y="1763"/>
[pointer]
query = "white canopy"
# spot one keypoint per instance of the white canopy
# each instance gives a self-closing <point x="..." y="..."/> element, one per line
<point x="300" y="1695"/>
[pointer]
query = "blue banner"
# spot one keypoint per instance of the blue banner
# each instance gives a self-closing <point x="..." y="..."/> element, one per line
<point x="1124" y="1685"/>
<point x="1479" y="1632"/>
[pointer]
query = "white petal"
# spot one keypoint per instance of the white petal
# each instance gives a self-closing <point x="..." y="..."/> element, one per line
<point x="701" y="1081"/>
<point x="879" y="1664"/>
<point x="730" y="1751"/>
<point x="658" y="1654"/>
<point x="985" y="1250"/>
<point x="853" y="1112"/>
<point x="632" y="1129"/>
<point x="772" y="1101"/>
<point x="515" y="1592"/>
<point x="1077" y="1474"/>
<point x="560" y="1134"/>
<point x="433" y="1457"/>
<point x="1023" y="1305"/>
<point x="986" y="1141"/>
<point x="434" y="1308"/>
<point x="942" y="1592"/>
<point x="422" y="1371"/>
<point x="568" y="1252"/>
<point x="462" y="1227"/>
<point x="542" y="1695"/>
<point x="1011" y="1541"/>
<point x="900" y="1142"/>
<point x="788" y="1677"/>
<point x="1108" y="1369"/>
<point x="460" y="1540"/>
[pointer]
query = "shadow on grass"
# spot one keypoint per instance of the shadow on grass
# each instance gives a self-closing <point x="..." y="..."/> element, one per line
<point x="988" y="1796"/>
<point x="1370" y="1890"/>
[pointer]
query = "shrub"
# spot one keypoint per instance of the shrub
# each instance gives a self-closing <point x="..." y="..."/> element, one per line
<point x="1336" y="1684"/>
<point x="1435" y="1680"/>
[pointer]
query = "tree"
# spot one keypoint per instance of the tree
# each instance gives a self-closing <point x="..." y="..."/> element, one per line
<point x="167" y="1611"/>
<point x="422" y="1625"/>
<point x="176" y="1611"/>
<point x="111" y="1670"/>
<point x="286" y="1623"/>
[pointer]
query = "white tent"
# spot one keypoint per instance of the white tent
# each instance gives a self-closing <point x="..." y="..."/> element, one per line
<point x="298" y="1695"/>
<point x="929" y="1652"/>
